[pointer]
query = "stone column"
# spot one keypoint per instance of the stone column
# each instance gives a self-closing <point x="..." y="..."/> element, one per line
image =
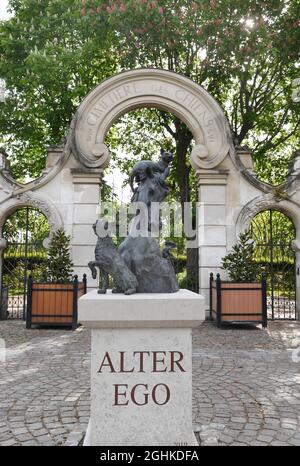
<point x="212" y="224"/>
<point x="141" y="367"/>
<point x="85" y="212"/>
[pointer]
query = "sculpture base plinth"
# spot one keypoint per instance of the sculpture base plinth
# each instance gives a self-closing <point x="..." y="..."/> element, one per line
<point x="141" y="367"/>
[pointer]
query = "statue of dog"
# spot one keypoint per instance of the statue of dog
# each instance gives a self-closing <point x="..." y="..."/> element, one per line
<point x="109" y="262"/>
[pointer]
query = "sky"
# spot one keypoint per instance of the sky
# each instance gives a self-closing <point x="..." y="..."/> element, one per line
<point x="3" y="13"/>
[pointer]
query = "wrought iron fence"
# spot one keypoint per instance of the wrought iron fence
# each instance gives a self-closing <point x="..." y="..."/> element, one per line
<point x="273" y="232"/>
<point x="25" y="255"/>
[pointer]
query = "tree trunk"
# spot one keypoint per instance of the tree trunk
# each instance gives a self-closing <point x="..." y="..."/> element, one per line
<point x="183" y="139"/>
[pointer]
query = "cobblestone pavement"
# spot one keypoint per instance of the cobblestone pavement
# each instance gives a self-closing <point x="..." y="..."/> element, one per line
<point x="44" y="385"/>
<point x="246" y="387"/>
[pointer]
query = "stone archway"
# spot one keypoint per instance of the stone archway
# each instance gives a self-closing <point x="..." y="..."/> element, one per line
<point x="24" y="233"/>
<point x="265" y="202"/>
<point x="288" y="207"/>
<point x="229" y="192"/>
<point x="150" y="88"/>
<point x="35" y="200"/>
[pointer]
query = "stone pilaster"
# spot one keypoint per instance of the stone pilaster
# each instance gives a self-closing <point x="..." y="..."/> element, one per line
<point x="212" y="224"/>
<point x="85" y="212"/>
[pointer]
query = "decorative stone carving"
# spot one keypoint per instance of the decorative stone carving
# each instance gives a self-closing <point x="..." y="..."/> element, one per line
<point x="3" y="243"/>
<point x="244" y="153"/>
<point x="199" y="153"/>
<point x="265" y="202"/>
<point x="295" y="245"/>
<point x="49" y="173"/>
<point x="54" y="154"/>
<point x="33" y="200"/>
<point x="294" y="169"/>
<point x="150" y="88"/>
<point x="4" y="162"/>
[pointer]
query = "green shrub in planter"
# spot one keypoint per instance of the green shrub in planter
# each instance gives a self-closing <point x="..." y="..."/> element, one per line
<point x="242" y="299"/>
<point x="239" y="263"/>
<point x="59" y="267"/>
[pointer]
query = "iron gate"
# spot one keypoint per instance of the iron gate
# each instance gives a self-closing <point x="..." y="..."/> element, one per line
<point x="25" y="254"/>
<point x="273" y="232"/>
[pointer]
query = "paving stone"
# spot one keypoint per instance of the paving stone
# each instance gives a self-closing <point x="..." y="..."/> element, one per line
<point x="8" y="443"/>
<point x="245" y="384"/>
<point x="30" y="443"/>
<point x="295" y="442"/>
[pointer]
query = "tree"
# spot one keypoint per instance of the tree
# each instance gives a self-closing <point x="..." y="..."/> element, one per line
<point x="245" y="53"/>
<point x="59" y="266"/>
<point x="239" y="263"/>
<point x="49" y="64"/>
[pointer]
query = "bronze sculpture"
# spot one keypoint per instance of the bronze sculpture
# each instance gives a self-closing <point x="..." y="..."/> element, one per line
<point x="139" y="265"/>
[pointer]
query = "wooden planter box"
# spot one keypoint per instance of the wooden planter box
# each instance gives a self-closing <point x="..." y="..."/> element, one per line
<point x="238" y="302"/>
<point x="54" y="303"/>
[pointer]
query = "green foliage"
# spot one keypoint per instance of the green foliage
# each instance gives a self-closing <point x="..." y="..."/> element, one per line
<point x="179" y="262"/>
<point x="14" y="229"/>
<point x="49" y="64"/>
<point x="189" y="282"/>
<point x="273" y="233"/>
<point x="245" y="53"/>
<point x="59" y="266"/>
<point x="239" y="263"/>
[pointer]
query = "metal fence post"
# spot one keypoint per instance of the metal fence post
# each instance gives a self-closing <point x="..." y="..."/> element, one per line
<point x="211" y="279"/>
<point x="84" y="280"/>
<point x="219" y="300"/>
<point x="264" y="300"/>
<point x="29" y="302"/>
<point x="75" y="302"/>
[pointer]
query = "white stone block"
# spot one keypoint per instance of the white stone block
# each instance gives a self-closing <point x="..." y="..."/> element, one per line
<point x="212" y="195"/>
<point x="53" y="191"/>
<point x="210" y="256"/>
<point x="84" y="235"/>
<point x="85" y="213"/>
<point x="212" y="235"/>
<point x="82" y="255"/>
<point x="205" y="293"/>
<point x="66" y="194"/>
<point x="205" y="272"/>
<point x="86" y="193"/>
<point x="213" y="215"/>
<point x="66" y="212"/>
<point x="141" y="369"/>
<point x="91" y="283"/>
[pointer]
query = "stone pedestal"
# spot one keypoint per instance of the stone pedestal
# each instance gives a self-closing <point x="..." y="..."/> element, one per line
<point x="141" y="367"/>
